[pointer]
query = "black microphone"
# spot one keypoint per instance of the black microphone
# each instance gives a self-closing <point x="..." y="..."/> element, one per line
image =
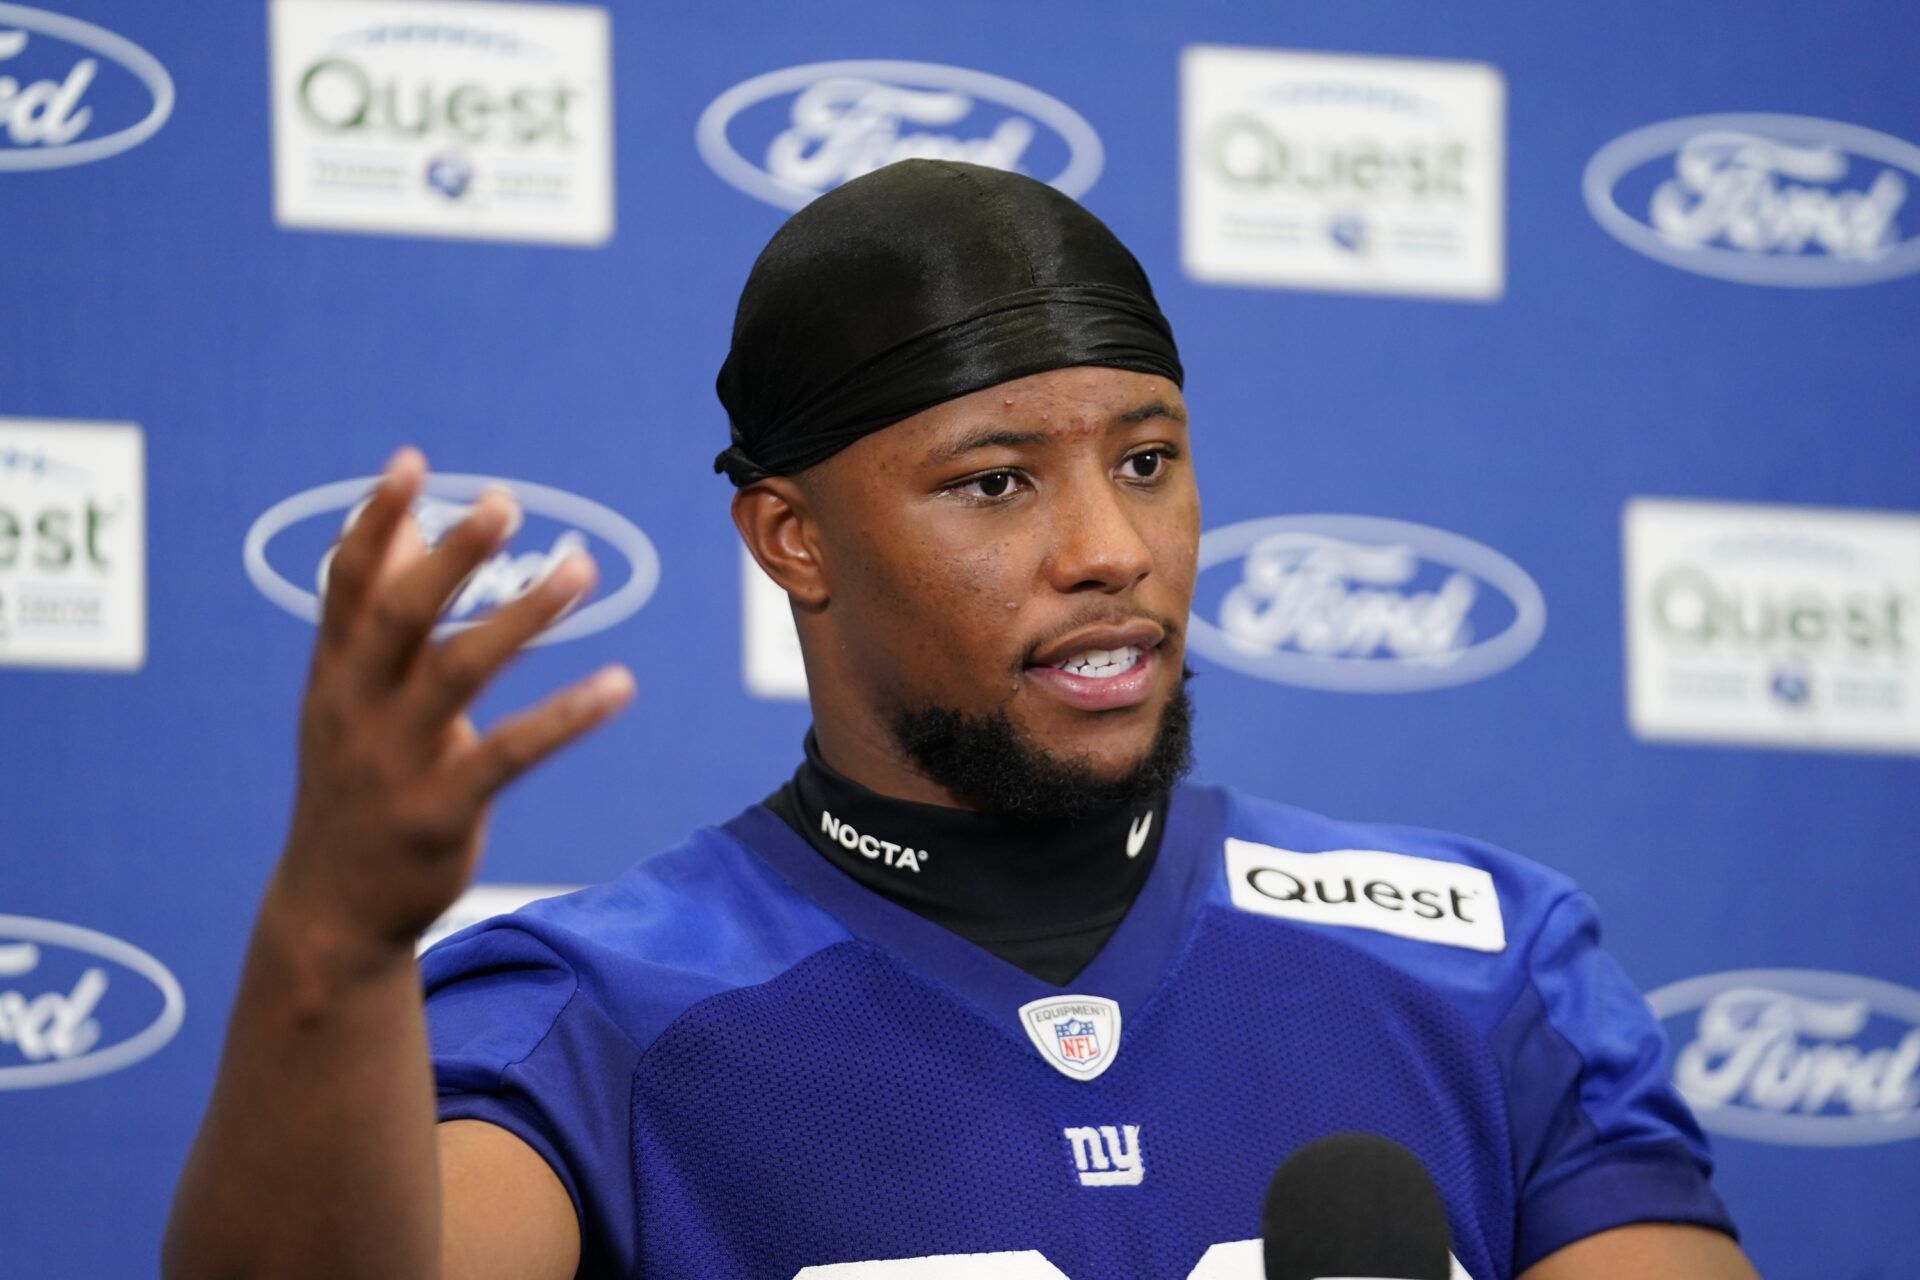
<point x="1356" y="1206"/>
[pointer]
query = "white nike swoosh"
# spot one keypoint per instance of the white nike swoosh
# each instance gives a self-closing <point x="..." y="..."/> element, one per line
<point x="1137" y="833"/>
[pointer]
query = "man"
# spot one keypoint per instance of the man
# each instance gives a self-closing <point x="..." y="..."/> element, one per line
<point x="983" y="991"/>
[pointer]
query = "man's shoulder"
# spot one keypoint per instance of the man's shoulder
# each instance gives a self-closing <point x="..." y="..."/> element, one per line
<point x="695" y="920"/>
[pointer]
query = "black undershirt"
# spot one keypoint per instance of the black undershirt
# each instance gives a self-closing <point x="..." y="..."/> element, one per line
<point x="1042" y="897"/>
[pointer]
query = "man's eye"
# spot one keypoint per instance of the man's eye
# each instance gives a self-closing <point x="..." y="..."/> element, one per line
<point x="995" y="484"/>
<point x="1146" y="464"/>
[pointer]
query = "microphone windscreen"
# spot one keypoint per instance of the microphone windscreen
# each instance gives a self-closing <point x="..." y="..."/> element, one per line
<point x="1354" y="1205"/>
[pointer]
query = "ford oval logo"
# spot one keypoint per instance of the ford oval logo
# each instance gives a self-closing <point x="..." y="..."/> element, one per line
<point x="787" y="136"/>
<point x="1762" y="199"/>
<point x="1360" y="604"/>
<point x="1798" y="1057"/>
<point x="289" y="547"/>
<point x="75" y="1003"/>
<point x="56" y="106"/>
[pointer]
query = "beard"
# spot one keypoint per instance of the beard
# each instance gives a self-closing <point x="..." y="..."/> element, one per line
<point x="989" y="762"/>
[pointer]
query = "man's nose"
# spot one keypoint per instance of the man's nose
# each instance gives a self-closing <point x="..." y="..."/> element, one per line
<point x="1096" y="543"/>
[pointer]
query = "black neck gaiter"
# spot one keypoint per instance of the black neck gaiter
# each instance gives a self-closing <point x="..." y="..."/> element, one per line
<point x="1041" y="896"/>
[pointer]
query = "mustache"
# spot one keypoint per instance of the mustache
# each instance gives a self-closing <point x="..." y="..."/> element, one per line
<point x="1171" y="629"/>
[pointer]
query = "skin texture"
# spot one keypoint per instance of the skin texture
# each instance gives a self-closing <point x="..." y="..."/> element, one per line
<point x="921" y="574"/>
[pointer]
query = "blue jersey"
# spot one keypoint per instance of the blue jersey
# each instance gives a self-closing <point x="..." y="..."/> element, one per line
<point x="743" y="1064"/>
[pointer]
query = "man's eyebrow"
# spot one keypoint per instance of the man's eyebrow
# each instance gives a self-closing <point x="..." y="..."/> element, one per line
<point x="1001" y="437"/>
<point x="1150" y="410"/>
<point x="988" y="438"/>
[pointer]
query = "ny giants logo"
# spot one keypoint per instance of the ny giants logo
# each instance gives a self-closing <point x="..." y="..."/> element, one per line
<point x="1107" y="1155"/>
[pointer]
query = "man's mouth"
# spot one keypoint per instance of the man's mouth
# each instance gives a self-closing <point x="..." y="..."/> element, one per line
<point x="1100" y="669"/>
<point x="1101" y="664"/>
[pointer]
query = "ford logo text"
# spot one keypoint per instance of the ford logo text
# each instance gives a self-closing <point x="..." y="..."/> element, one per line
<point x="1797" y="1057"/>
<point x="75" y="1003"/>
<point x="1360" y="604"/>
<point x="53" y="97"/>
<point x="300" y="531"/>
<point x="1791" y="201"/>
<point x="787" y="136"/>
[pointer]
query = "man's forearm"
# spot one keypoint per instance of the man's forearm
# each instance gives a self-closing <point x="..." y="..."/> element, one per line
<point x="317" y="1153"/>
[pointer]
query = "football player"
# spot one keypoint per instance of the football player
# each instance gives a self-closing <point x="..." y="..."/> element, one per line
<point x="985" y="989"/>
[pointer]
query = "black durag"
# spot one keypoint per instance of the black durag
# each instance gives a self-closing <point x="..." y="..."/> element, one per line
<point x="919" y="282"/>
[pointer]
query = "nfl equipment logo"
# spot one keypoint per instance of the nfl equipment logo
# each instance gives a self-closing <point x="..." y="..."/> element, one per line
<point x="1078" y="1042"/>
<point x="1077" y="1035"/>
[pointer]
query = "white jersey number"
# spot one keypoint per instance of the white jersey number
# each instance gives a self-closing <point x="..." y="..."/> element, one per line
<point x="1237" y="1260"/>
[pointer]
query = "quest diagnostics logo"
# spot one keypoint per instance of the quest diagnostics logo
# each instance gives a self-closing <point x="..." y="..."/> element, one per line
<point x="1360" y="604"/>
<point x="788" y="136"/>
<point x="443" y="117"/>
<point x="75" y="1003"/>
<point x="289" y="548"/>
<point x="1314" y="170"/>
<point x="73" y="549"/>
<point x="1761" y="623"/>
<point x="71" y="92"/>
<point x="1425" y="899"/>
<point x="1797" y="1057"/>
<point x="1792" y="201"/>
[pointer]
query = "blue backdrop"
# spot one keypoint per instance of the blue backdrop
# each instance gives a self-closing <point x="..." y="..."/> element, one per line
<point x="266" y="346"/>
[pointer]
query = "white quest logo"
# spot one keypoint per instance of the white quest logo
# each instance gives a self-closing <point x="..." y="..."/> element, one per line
<point x="1332" y="602"/>
<point x="846" y="119"/>
<point x="53" y="1032"/>
<point x="1797" y="1057"/>
<point x="1425" y="899"/>
<point x="47" y="120"/>
<point x="1790" y="201"/>
<point x="570" y="523"/>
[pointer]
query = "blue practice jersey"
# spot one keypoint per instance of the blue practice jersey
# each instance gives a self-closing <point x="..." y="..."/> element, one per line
<point x="743" y="1064"/>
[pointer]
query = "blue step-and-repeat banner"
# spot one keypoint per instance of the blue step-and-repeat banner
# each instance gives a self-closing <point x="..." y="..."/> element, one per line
<point x="1555" y="378"/>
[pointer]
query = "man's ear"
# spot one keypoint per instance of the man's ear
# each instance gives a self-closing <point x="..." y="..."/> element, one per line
<point x="776" y="523"/>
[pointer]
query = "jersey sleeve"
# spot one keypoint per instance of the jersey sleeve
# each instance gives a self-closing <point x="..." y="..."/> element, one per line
<point x="518" y="1043"/>
<point x="1601" y="1137"/>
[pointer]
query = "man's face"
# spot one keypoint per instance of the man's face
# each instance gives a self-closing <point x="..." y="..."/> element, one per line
<point x="1027" y="550"/>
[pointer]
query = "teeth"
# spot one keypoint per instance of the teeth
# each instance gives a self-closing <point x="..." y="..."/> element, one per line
<point x="1101" y="664"/>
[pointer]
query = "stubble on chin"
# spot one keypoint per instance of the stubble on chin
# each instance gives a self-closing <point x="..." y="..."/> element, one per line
<point x="991" y="763"/>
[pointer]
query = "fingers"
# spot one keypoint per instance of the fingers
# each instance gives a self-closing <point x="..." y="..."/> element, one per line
<point x="449" y="677"/>
<point x="357" y="561"/>
<point x="403" y="612"/>
<point x="519" y="742"/>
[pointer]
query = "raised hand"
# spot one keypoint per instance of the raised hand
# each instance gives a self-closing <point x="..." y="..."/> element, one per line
<point x="395" y="780"/>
